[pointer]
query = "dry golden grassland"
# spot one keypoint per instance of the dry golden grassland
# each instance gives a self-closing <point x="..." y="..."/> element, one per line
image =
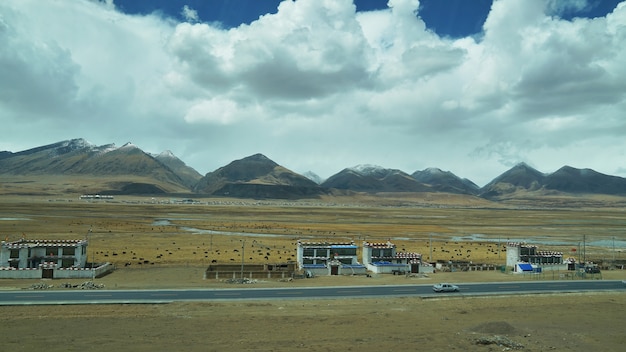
<point x="538" y="323"/>
<point x="144" y="231"/>
<point x="170" y="245"/>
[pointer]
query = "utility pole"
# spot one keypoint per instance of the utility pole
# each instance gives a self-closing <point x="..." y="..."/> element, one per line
<point x="613" y="250"/>
<point x="430" y="242"/>
<point x="93" y="257"/>
<point x="584" y="248"/>
<point x="243" y="247"/>
<point x="87" y="251"/>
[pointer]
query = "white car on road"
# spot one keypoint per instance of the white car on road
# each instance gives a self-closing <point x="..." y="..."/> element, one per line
<point x="444" y="287"/>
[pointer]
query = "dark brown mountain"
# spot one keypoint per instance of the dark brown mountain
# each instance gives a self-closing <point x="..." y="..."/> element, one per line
<point x="5" y="154"/>
<point x="126" y="169"/>
<point x="257" y="177"/>
<point x="445" y="181"/>
<point x="374" y="179"/>
<point x="522" y="179"/>
<point x="572" y="180"/>
<point x="76" y="166"/>
<point x="57" y="158"/>
<point x="187" y="174"/>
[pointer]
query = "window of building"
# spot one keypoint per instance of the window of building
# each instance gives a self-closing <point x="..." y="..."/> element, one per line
<point x="344" y="251"/>
<point x="382" y="252"/>
<point x="67" y="263"/>
<point x="15" y="253"/>
<point x="52" y="251"/>
<point x="69" y="250"/>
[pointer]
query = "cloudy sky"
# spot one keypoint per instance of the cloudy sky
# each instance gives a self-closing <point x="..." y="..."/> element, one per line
<point x="472" y="87"/>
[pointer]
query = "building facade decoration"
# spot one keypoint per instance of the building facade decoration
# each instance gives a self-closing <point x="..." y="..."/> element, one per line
<point x="382" y="257"/>
<point x="26" y="258"/>
<point x="329" y="258"/>
<point x="521" y="257"/>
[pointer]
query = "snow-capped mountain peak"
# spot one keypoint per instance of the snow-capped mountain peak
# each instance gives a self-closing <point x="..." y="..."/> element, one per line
<point x="78" y="143"/>
<point x="313" y="177"/>
<point x="434" y="171"/>
<point x="168" y="154"/>
<point x="129" y="145"/>
<point x="367" y="169"/>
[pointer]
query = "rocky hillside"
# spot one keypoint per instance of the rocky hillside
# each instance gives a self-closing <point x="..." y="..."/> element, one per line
<point x="523" y="179"/>
<point x="188" y="175"/>
<point x="374" y="179"/>
<point x="446" y="181"/>
<point x="257" y="177"/>
<point x="132" y="170"/>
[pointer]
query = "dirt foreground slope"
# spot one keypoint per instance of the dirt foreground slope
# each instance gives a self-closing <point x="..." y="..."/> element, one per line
<point x="547" y="322"/>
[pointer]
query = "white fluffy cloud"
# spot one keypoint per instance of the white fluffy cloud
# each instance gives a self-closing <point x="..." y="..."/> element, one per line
<point x="318" y="86"/>
<point x="190" y="14"/>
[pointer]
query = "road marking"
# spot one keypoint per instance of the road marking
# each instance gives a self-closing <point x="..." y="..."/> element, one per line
<point x="509" y="286"/>
<point x="227" y="294"/>
<point x="98" y="295"/>
<point x="30" y="296"/>
<point x="349" y="291"/>
<point x="163" y="294"/>
<point x="289" y="293"/>
<point x="405" y="290"/>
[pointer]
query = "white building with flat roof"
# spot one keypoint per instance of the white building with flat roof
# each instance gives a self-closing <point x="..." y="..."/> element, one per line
<point x="47" y="259"/>
<point x="329" y="258"/>
<point x="383" y="258"/>
<point x="525" y="258"/>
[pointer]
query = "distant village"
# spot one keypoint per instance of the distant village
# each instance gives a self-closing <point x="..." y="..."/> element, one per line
<point x="64" y="259"/>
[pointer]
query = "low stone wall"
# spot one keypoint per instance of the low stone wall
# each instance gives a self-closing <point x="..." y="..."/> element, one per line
<point x="86" y="273"/>
<point x="63" y="273"/>
<point x="248" y="274"/>
<point x="22" y="273"/>
<point x="318" y="271"/>
<point x="446" y="267"/>
<point x="388" y="268"/>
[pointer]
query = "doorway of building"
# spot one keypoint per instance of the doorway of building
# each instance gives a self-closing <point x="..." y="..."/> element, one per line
<point x="47" y="273"/>
<point x="415" y="268"/>
<point x="334" y="270"/>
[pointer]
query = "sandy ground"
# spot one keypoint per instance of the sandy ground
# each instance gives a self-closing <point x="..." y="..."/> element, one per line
<point x="527" y="323"/>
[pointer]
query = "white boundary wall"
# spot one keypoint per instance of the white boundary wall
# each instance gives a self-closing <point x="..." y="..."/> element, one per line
<point x="67" y="273"/>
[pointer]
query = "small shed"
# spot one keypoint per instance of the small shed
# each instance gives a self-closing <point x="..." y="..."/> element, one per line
<point x="250" y="271"/>
<point x="524" y="268"/>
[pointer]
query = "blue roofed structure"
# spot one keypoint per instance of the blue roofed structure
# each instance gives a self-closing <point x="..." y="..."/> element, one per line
<point x="382" y="258"/>
<point x="525" y="258"/>
<point x="525" y="267"/>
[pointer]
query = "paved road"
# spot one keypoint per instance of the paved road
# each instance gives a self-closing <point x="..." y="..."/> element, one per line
<point x="69" y="296"/>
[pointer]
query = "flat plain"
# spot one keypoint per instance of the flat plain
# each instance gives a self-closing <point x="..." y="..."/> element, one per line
<point x="159" y="243"/>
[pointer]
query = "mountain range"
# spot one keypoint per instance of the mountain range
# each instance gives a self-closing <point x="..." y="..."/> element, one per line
<point x="130" y="170"/>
